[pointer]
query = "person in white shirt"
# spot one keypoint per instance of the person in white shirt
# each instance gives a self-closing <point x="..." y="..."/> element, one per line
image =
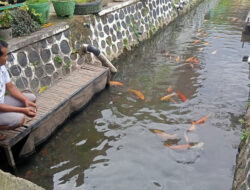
<point x="16" y="105"/>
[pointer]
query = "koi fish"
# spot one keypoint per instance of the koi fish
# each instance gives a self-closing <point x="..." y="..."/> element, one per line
<point x="199" y="30"/>
<point x="189" y="59"/>
<point x="193" y="127"/>
<point x="186" y="137"/>
<point x="205" y="34"/>
<point x="178" y="59"/>
<point x="191" y="65"/>
<point x="198" y="145"/>
<point x="115" y="83"/>
<point x="201" y="50"/>
<point x="179" y="147"/>
<point x="137" y="93"/>
<point x="195" y="61"/>
<point x="164" y="135"/>
<point x="196" y="41"/>
<point x="169" y="89"/>
<point x="206" y="43"/>
<point x="172" y="100"/>
<point x="165" y="98"/>
<point x="214" y="52"/>
<point x="202" y="120"/>
<point x="182" y="97"/>
<point x="233" y="19"/>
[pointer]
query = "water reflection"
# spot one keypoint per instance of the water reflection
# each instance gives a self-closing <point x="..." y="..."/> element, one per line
<point x="111" y="144"/>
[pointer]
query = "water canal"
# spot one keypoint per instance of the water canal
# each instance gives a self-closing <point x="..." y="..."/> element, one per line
<point x="111" y="144"/>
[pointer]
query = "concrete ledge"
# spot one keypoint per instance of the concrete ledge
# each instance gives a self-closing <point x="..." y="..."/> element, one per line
<point x="18" y="43"/>
<point x="116" y="7"/>
<point x="10" y="182"/>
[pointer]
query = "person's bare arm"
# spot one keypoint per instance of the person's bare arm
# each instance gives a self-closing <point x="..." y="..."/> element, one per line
<point x="27" y="110"/>
<point x="13" y="90"/>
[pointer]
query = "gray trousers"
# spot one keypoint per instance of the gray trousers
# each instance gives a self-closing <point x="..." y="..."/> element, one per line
<point x="13" y="119"/>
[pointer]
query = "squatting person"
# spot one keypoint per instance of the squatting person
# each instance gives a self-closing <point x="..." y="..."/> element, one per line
<point x="16" y="105"/>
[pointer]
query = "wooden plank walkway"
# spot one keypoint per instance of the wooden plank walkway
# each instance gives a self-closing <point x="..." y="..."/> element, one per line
<point x="63" y="98"/>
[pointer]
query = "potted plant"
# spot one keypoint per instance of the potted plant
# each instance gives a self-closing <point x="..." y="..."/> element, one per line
<point x="64" y="8"/>
<point x="41" y="7"/>
<point x="5" y="25"/>
<point x="84" y="7"/>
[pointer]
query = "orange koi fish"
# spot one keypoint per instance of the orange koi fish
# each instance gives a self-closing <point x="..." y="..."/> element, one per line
<point x="137" y="93"/>
<point x="206" y="43"/>
<point x="189" y="59"/>
<point x="196" y="41"/>
<point x="178" y="59"/>
<point x="182" y="97"/>
<point x="195" y="61"/>
<point x="191" y="65"/>
<point x="172" y="100"/>
<point x="169" y="89"/>
<point x="179" y="147"/>
<point x="202" y="120"/>
<point x="193" y="127"/>
<point x="115" y="83"/>
<point x="164" y="135"/>
<point x="165" y="98"/>
<point x="186" y="137"/>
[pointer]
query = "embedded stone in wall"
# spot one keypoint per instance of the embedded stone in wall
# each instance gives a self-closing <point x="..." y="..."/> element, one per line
<point x="55" y="49"/>
<point x="49" y="68"/>
<point x="58" y="36"/>
<point x="80" y="61"/>
<point x="243" y="186"/>
<point x="55" y="75"/>
<point x="50" y="40"/>
<point x="127" y="19"/>
<point x="128" y="9"/>
<point x="65" y="71"/>
<point x="108" y="50"/>
<point x="106" y="29"/>
<point x="73" y="56"/>
<point x="34" y="84"/>
<point x="132" y="9"/>
<point x="120" y="46"/>
<point x="39" y="72"/>
<point x="114" y="48"/>
<point x="46" y="81"/>
<point x="119" y="35"/>
<point x="95" y="43"/>
<point x="15" y="70"/>
<point x="28" y="72"/>
<point x="116" y="16"/>
<point x="45" y="54"/>
<point x="22" y="59"/>
<point x="124" y="25"/>
<point x="10" y="57"/>
<point x="121" y="14"/>
<point x="139" y="5"/>
<point x="43" y="43"/>
<point x="111" y="18"/>
<point x="65" y="47"/>
<point x="99" y="27"/>
<point x="66" y="59"/>
<point x="67" y="34"/>
<point x="103" y="44"/>
<point x="57" y="63"/>
<point x="104" y="20"/>
<point x="113" y="38"/>
<point x="21" y="83"/>
<point x="101" y="34"/>
<point x="34" y="57"/>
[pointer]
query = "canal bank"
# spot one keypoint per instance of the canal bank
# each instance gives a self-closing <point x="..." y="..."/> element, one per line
<point x="42" y="60"/>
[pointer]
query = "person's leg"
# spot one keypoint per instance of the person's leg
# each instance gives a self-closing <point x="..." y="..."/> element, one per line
<point x="10" y="100"/>
<point x="11" y="120"/>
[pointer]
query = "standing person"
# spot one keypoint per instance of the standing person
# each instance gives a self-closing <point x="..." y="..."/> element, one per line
<point x="16" y="105"/>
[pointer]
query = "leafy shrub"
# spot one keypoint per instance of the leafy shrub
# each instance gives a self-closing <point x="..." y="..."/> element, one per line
<point x="22" y="23"/>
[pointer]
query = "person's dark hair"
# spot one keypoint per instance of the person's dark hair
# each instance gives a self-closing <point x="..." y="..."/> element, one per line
<point x="2" y="44"/>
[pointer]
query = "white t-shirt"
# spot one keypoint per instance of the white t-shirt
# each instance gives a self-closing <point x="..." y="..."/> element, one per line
<point x="4" y="79"/>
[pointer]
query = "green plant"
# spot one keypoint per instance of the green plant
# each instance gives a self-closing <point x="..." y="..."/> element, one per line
<point x="84" y="1"/>
<point x="6" y="19"/>
<point x="35" y="1"/>
<point x="125" y="43"/>
<point x="22" y="23"/>
<point x="57" y="59"/>
<point x="244" y="135"/>
<point x="67" y="64"/>
<point x="34" y="64"/>
<point x="241" y="121"/>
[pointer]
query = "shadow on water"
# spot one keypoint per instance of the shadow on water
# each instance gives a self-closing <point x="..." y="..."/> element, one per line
<point x="111" y="144"/>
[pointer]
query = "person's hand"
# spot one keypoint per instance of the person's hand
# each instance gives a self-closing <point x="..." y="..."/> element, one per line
<point x="29" y="111"/>
<point x="30" y="104"/>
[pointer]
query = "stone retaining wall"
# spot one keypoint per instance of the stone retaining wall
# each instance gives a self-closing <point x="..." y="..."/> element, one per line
<point x="48" y="55"/>
<point x="242" y="170"/>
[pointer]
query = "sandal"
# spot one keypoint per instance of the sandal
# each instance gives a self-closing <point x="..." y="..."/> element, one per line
<point x="2" y="137"/>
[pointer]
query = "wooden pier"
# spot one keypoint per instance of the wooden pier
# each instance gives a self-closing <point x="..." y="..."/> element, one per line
<point x="55" y="105"/>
